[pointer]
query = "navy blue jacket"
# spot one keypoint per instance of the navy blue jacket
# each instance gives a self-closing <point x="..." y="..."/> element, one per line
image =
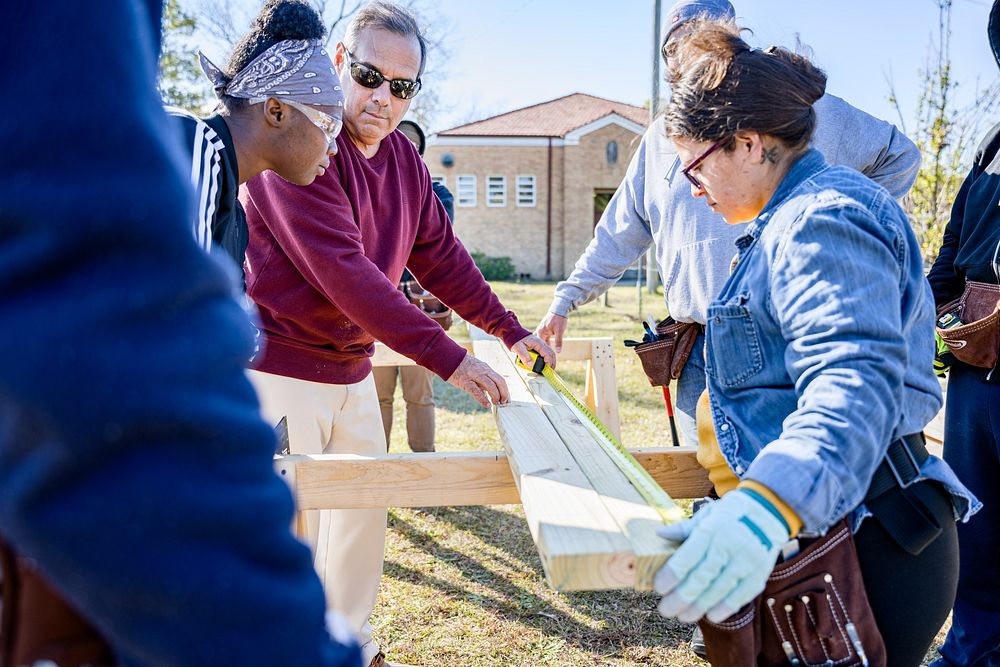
<point x="134" y="467"/>
<point x="448" y="201"/>
<point x="969" y="249"/>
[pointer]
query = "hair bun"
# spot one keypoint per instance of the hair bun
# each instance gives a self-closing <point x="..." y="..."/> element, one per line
<point x="719" y="86"/>
<point x="289" y="19"/>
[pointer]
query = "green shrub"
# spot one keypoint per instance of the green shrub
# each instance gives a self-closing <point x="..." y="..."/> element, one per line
<point x="494" y="268"/>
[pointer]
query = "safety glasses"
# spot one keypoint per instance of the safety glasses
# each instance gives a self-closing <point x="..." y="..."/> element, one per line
<point x="330" y="125"/>
<point x="369" y="77"/>
<point x="701" y="158"/>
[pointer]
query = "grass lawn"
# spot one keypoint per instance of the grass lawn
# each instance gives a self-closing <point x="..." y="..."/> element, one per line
<point x="464" y="586"/>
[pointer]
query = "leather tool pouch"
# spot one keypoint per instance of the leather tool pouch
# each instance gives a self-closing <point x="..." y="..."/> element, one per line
<point x="813" y="611"/>
<point x="428" y="303"/>
<point x="663" y="360"/>
<point x="977" y="340"/>
<point x="36" y="623"/>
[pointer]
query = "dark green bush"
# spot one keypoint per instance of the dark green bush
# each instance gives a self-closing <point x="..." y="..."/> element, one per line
<point x="494" y="268"/>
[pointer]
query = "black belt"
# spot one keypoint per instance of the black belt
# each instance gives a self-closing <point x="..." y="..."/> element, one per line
<point x="900" y="466"/>
<point x="913" y="514"/>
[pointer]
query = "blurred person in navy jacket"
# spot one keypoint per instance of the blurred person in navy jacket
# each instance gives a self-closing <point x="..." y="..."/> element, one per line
<point x="136" y="471"/>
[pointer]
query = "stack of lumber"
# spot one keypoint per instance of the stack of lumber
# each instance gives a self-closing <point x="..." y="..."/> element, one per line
<point x="592" y="529"/>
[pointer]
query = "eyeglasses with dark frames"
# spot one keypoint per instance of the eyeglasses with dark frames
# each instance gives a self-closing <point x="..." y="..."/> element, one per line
<point x="701" y="158"/>
<point x="369" y="77"/>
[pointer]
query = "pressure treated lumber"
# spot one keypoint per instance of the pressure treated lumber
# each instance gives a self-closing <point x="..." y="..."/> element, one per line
<point x="581" y="464"/>
<point x="386" y="356"/>
<point x="579" y="542"/>
<point x="637" y="520"/>
<point x="595" y="351"/>
<point x="444" y="479"/>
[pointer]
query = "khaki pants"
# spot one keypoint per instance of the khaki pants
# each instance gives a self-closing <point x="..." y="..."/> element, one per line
<point x="418" y="393"/>
<point x="349" y="545"/>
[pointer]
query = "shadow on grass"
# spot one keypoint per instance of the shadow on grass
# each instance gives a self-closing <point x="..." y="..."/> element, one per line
<point x="617" y="619"/>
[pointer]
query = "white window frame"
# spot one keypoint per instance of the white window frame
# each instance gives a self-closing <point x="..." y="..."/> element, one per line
<point x="463" y="183"/>
<point x="491" y="181"/>
<point x="437" y="178"/>
<point x="527" y="184"/>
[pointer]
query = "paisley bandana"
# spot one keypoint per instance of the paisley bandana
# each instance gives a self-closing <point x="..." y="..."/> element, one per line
<point x="295" y="69"/>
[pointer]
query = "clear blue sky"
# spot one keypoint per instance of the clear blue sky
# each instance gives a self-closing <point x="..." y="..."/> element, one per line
<point x="505" y="55"/>
<point x="513" y="53"/>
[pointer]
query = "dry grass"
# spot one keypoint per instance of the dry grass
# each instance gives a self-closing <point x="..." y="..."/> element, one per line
<point x="464" y="586"/>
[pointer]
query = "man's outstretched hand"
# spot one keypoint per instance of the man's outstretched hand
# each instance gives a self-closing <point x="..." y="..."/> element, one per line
<point x="480" y="381"/>
<point x="486" y="385"/>
<point x="551" y="330"/>
<point x="533" y="343"/>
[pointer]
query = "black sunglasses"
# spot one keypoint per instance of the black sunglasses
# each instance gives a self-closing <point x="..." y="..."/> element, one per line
<point x="701" y="158"/>
<point x="369" y="77"/>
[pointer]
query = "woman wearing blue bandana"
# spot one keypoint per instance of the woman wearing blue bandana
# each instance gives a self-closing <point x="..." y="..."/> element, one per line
<point x="818" y="358"/>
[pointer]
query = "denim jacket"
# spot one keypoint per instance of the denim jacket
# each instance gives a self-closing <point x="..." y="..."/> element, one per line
<point x="820" y="345"/>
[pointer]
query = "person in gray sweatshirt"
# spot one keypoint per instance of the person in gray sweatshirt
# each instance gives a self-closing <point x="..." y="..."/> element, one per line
<point x="694" y="246"/>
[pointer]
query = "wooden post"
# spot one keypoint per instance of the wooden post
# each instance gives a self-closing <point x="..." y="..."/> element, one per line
<point x="602" y="386"/>
<point x="592" y="528"/>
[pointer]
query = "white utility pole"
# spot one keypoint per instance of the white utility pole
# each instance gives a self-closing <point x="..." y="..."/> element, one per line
<point x="652" y="277"/>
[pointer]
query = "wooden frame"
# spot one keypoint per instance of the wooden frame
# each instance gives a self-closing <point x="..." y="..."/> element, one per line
<point x="592" y="528"/>
<point x="443" y="479"/>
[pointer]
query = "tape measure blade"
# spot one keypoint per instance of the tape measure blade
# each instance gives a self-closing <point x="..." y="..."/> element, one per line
<point x="638" y="476"/>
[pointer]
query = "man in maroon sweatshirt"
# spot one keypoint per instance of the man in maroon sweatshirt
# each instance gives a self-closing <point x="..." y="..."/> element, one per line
<point x="322" y="265"/>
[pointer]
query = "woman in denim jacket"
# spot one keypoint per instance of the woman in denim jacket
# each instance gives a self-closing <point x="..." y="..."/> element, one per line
<point x="819" y="356"/>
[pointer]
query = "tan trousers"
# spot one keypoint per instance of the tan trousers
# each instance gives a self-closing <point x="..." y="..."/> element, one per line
<point x="418" y="393"/>
<point x="349" y="545"/>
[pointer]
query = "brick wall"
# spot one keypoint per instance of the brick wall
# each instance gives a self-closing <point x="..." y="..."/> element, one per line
<point x="587" y="169"/>
<point x="520" y="232"/>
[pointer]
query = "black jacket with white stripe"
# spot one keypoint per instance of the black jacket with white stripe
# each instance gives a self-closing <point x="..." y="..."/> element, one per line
<point x="219" y="221"/>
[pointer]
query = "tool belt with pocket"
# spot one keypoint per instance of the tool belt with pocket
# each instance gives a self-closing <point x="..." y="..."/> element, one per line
<point x="813" y="611"/>
<point x="976" y="341"/>
<point x="428" y="303"/>
<point x="663" y="359"/>
<point x="36" y="623"/>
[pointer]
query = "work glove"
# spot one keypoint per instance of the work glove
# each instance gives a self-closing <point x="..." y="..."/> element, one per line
<point x="943" y="357"/>
<point x="729" y="549"/>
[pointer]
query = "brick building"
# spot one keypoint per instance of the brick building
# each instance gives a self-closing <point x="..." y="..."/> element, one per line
<point x="530" y="184"/>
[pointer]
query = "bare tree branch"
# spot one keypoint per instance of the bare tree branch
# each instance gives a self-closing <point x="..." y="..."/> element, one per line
<point x="225" y="20"/>
<point x="894" y="99"/>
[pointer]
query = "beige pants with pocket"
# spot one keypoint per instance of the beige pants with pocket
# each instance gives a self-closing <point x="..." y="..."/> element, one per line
<point x="349" y="545"/>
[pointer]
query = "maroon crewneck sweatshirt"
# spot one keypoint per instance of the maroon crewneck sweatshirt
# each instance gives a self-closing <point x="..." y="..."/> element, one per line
<point x="324" y="260"/>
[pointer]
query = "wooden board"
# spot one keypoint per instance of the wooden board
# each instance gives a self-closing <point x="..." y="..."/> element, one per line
<point x="934" y="431"/>
<point x="574" y="349"/>
<point x="444" y="479"/>
<point x="636" y="519"/>
<point x="579" y="541"/>
<point x="386" y="356"/>
<point x="587" y="466"/>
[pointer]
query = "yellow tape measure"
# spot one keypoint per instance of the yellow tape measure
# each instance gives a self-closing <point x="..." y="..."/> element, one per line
<point x="638" y="476"/>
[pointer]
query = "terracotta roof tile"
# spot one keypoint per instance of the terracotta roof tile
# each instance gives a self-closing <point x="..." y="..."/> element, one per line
<point x="555" y="118"/>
